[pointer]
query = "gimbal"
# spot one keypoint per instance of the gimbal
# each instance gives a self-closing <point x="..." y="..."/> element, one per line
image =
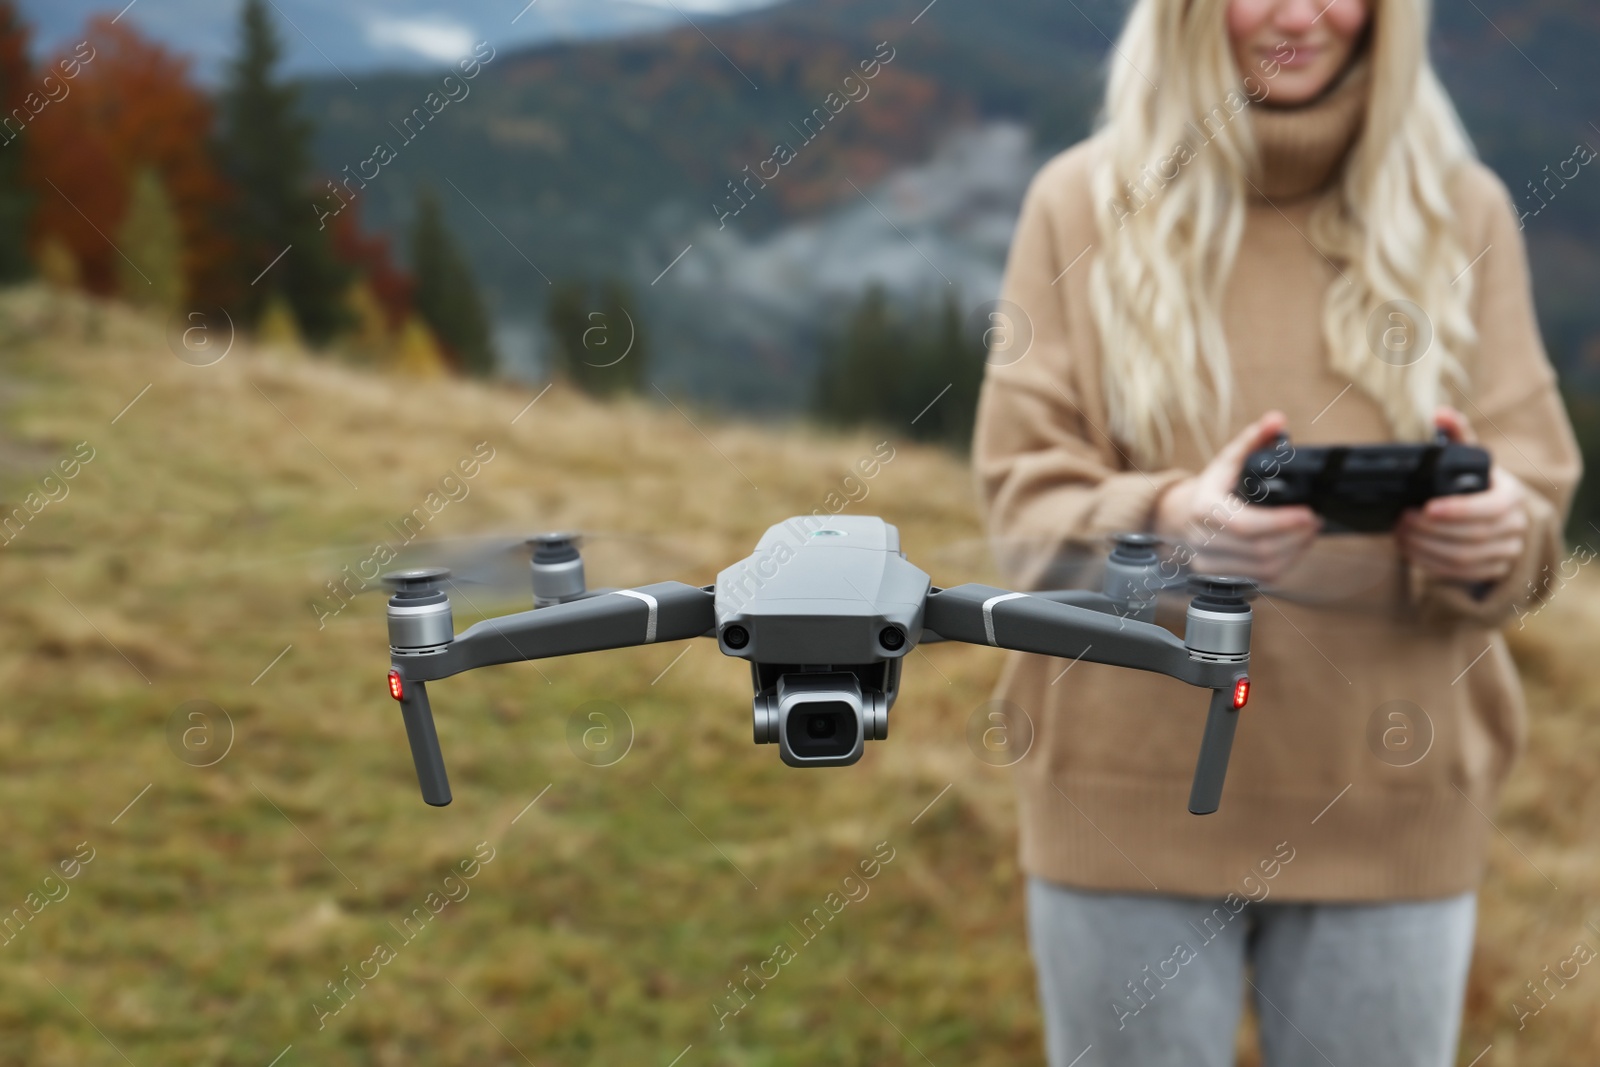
<point x="825" y="610"/>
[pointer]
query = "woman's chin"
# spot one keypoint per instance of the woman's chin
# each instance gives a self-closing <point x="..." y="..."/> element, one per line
<point x="1292" y="88"/>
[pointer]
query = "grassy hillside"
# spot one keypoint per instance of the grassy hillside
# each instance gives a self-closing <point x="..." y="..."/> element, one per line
<point x="217" y="902"/>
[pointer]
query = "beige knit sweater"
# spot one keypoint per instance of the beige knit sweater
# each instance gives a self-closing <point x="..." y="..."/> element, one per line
<point x="1352" y="627"/>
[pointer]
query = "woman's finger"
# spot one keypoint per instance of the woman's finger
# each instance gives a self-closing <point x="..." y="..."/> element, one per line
<point x="1502" y="525"/>
<point x="1470" y="506"/>
<point x="1233" y="544"/>
<point x="1254" y="521"/>
<point x="1223" y="470"/>
<point x="1453" y="564"/>
<point x="1454" y="424"/>
<point x="1481" y="572"/>
<point x="1228" y="556"/>
<point x="1511" y="542"/>
<point x="1434" y="552"/>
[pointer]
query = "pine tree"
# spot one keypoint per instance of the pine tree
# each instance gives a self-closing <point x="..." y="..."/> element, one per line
<point x="265" y="151"/>
<point x="16" y="202"/>
<point x="600" y="340"/>
<point x="905" y="371"/>
<point x="954" y="359"/>
<point x="446" y="296"/>
<point x="863" y="368"/>
<point x="149" y="236"/>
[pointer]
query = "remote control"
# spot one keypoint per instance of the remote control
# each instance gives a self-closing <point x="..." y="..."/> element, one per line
<point x="1361" y="488"/>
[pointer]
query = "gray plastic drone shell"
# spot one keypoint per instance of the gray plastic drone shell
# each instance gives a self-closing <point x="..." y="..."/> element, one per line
<point x="765" y="710"/>
<point x="828" y="594"/>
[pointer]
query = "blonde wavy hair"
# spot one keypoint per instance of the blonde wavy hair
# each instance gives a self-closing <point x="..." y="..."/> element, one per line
<point x="1156" y="288"/>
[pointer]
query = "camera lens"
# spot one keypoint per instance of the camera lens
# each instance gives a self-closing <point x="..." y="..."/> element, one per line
<point x="822" y="725"/>
<point x="822" y="729"/>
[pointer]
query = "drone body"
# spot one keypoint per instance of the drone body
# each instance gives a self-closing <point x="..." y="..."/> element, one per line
<point x="825" y="612"/>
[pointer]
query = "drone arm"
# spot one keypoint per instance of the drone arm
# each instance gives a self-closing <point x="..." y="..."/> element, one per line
<point x="983" y="615"/>
<point x="1080" y="598"/>
<point x="666" y="611"/>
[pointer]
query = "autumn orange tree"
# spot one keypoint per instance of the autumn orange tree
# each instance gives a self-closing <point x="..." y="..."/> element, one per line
<point x="127" y="184"/>
<point x="131" y="108"/>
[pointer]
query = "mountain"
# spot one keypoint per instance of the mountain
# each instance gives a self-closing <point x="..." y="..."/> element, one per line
<point x="627" y="139"/>
<point x="617" y="156"/>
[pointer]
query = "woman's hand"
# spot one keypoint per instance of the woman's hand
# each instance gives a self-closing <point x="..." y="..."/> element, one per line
<point x="1475" y="537"/>
<point x="1226" y="534"/>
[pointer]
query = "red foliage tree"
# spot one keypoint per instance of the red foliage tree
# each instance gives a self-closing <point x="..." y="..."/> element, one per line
<point x="131" y="106"/>
<point x="373" y="259"/>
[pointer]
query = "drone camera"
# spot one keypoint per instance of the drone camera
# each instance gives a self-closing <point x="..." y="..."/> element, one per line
<point x="820" y="719"/>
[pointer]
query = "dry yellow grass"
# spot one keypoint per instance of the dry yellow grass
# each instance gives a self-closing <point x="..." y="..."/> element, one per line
<point x="185" y="560"/>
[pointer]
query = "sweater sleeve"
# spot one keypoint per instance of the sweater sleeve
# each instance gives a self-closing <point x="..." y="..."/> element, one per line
<point x="1517" y="412"/>
<point x="1048" y="475"/>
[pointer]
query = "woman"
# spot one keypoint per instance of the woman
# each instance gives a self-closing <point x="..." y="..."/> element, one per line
<point x="1279" y="226"/>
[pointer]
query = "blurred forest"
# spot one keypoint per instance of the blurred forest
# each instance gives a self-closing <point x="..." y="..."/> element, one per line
<point x="207" y="197"/>
<point x="576" y="172"/>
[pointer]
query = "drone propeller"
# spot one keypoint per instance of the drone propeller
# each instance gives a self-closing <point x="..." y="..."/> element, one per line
<point x="1349" y="571"/>
<point x="493" y="569"/>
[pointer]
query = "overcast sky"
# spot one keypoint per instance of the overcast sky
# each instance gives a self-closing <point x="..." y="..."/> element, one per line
<point x="334" y="37"/>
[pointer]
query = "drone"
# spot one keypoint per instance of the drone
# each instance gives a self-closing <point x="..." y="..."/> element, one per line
<point x="825" y="610"/>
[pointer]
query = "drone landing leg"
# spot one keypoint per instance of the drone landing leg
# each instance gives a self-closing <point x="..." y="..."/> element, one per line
<point x="418" y="715"/>
<point x="1211" y="769"/>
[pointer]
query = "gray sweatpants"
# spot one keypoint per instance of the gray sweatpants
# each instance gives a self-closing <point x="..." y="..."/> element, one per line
<point x="1149" y="980"/>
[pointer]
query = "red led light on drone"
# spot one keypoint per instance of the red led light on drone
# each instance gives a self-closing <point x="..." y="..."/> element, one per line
<point x="397" y="686"/>
<point x="1241" y="693"/>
